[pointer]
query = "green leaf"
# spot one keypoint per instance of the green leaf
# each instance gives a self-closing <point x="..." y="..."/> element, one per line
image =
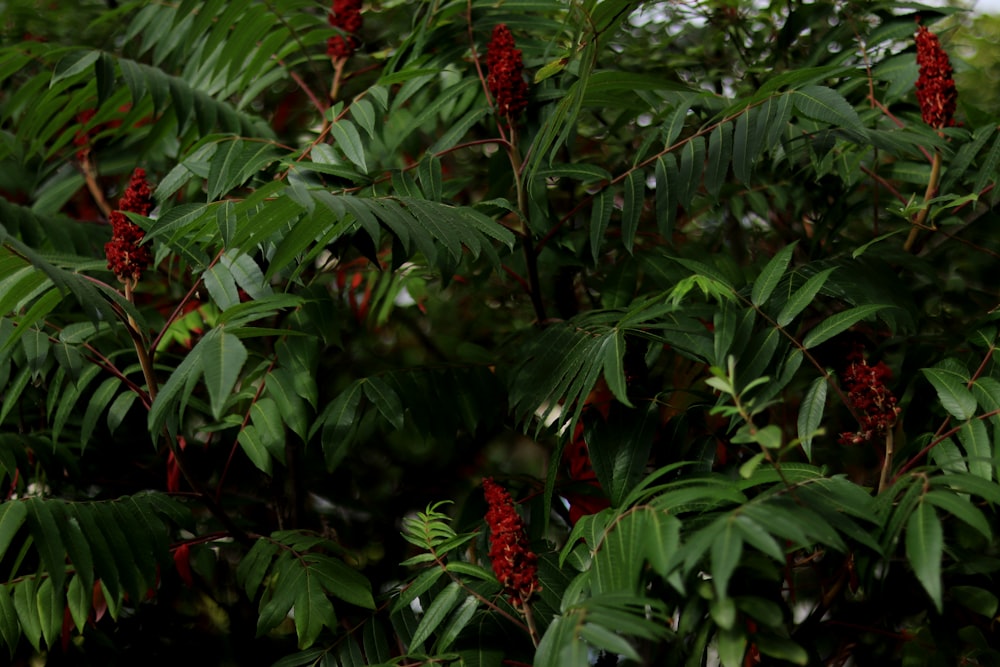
<point x="385" y="399"/>
<point x="10" y="628"/>
<point x="949" y="380"/>
<point x="732" y="645"/>
<point x="26" y="604"/>
<point x="782" y="649"/>
<point x="443" y="604"/>
<point x="838" y="323"/>
<point x="349" y="141"/>
<point x="50" y="603"/>
<point x="743" y="157"/>
<point x="924" y="549"/>
<point x="313" y="611"/>
<point x="341" y="580"/>
<point x="560" y="646"/>
<point x="720" y="148"/>
<point x="635" y="187"/>
<point x="811" y="414"/>
<point x="600" y="215"/>
<point x="12" y="516"/>
<point x="254" y="566"/>
<point x="771" y="275"/>
<point x="179" y="385"/>
<point x="962" y="508"/>
<point x="978" y="448"/>
<point x="727" y="547"/>
<point x="618" y="561"/>
<point x="619" y="448"/>
<point x="338" y="422"/>
<point x="978" y="600"/>
<point x="607" y="640"/>
<point x="458" y="622"/>
<point x="614" y="370"/>
<point x="44" y="529"/>
<point x="72" y="64"/>
<point x="827" y="105"/>
<point x="802" y="297"/>
<point x="289" y="583"/>
<point x="223" y="356"/>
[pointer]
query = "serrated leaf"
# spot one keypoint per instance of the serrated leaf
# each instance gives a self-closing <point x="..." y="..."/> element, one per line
<point x="951" y="389"/>
<point x="363" y="112"/>
<point x="978" y="448"/>
<point x="924" y="549"/>
<point x="349" y="141"/>
<point x="827" y="105"/>
<point x="811" y="414"/>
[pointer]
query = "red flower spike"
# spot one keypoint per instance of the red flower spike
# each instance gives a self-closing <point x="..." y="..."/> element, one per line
<point x="870" y="398"/>
<point x="182" y="561"/>
<point x="935" y="87"/>
<point x="346" y="16"/>
<point x="504" y="78"/>
<point x="126" y="257"/>
<point x="515" y="566"/>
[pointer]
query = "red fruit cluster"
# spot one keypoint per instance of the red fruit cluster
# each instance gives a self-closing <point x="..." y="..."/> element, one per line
<point x="504" y="73"/>
<point x="935" y="88"/>
<point x="873" y="402"/>
<point x="515" y="566"/>
<point x="126" y="257"/>
<point x="345" y="15"/>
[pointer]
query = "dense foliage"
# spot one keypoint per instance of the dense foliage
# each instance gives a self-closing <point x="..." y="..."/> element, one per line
<point x="702" y="294"/>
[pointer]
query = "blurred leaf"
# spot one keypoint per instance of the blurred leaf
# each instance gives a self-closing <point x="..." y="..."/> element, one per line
<point x="924" y="549"/>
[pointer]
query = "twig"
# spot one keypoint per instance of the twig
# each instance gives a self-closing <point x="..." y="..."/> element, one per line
<point x="921" y="217"/>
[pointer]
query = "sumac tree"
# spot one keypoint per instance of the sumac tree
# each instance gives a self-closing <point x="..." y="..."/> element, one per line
<point x="701" y="293"/>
